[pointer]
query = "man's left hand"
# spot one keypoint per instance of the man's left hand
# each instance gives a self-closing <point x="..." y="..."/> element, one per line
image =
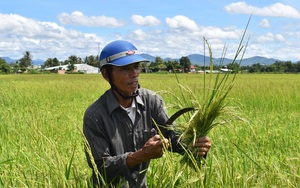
<point x="202" y="145"/>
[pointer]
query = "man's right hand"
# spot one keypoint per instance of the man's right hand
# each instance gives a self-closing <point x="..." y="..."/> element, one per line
<point x="153" y="149"/>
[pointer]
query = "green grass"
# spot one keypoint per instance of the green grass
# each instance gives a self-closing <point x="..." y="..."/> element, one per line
<point x="41" y="144"/>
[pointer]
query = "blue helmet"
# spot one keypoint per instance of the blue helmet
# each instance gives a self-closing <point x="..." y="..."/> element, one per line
<point x="119" y="53"/>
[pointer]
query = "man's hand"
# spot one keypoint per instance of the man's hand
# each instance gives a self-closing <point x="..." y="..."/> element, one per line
<point x="154" y="148"/>
<point x="202" y="145"/>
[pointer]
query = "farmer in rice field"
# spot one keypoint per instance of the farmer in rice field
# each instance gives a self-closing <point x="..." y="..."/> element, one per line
<point x="119" y="127"/>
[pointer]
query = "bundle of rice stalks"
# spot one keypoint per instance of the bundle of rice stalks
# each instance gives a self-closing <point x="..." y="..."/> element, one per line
<point x="212" y="109"/>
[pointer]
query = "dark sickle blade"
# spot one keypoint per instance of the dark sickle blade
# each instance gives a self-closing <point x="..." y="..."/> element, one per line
<point x="177" y="114"/>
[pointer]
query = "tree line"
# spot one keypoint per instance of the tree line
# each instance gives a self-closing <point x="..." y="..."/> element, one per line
<point x="276" y="67"/>
<point x="181" y="65"/>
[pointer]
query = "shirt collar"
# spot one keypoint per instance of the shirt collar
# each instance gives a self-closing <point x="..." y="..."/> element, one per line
<point x="112" y="102"/>
<point x="139" y="101"/>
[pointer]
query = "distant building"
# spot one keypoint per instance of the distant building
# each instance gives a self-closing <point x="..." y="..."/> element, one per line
<point x="225" y="70"/>
<point x="193" y="69"/>
<point x="88" y="69"/>
<point x="213" y="71"/>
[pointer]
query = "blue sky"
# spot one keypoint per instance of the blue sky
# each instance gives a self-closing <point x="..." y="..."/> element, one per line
<point x="60" y="28"/>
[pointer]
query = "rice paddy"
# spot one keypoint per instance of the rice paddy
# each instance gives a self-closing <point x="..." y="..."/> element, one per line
<point x="41" y="144"/>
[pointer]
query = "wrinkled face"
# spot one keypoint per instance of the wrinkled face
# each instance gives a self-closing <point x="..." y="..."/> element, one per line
<point x="125" y="78"/>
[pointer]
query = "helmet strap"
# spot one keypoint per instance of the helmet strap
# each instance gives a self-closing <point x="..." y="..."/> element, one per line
<point x="134" y="94"/>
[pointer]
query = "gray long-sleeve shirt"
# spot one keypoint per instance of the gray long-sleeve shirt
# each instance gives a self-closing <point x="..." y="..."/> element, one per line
<point x="112" y="136"/>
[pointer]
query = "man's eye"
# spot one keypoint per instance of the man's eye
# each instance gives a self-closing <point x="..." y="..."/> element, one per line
<point x="125" y="68"/>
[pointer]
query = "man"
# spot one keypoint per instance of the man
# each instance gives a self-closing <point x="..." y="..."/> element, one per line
<point x="119" y="128"/>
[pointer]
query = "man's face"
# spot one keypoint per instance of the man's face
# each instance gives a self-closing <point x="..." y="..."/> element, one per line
<point x="125" y="78"/>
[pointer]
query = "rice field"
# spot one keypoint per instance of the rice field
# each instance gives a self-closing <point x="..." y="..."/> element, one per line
<point x="41" y="144"/>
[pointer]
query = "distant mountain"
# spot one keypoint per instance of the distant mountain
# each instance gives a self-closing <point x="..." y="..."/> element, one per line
<point x="260" y="60"/>
<point x="38" y="62"/>
<point x="196" y="59"/>
<point x="8" y="59"/>
<point x="199" y="59"/>
<point x="34" y="62"/>
<point x="148" y="57"/>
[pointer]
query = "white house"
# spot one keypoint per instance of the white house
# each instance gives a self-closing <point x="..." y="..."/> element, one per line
<point x="88" y="69"/>
<point x="225" y="70"/>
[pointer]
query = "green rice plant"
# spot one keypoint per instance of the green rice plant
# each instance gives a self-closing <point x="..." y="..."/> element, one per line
<point x="41" y="118"/>
<point x="100" y="178"/>
<point x="212" y="109"/>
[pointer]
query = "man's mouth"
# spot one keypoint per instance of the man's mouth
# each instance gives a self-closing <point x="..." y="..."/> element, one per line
<point x="135" y="83"/>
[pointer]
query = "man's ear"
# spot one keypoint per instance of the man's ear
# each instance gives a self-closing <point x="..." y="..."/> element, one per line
<point x="105" y="74"/>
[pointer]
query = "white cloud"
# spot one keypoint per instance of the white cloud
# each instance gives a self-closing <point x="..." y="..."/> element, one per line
<point x="183" y="37"/>
<point x="276" y="10"/>
<point x="43" y="39"/>
<point x="270" y="37"/>
<point x="174" y="44"/>
<point x="139" y="34"/>
<point x="280" y="37"/>
<point x="294" y="35"/>
<point x="221" y="33"/>
<point x="264" y="23"/>
<point x="265" y="38"/>
<point x="145" y="21"/>
<point x="78" y="18"/>
<point x="182" y="22"/>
